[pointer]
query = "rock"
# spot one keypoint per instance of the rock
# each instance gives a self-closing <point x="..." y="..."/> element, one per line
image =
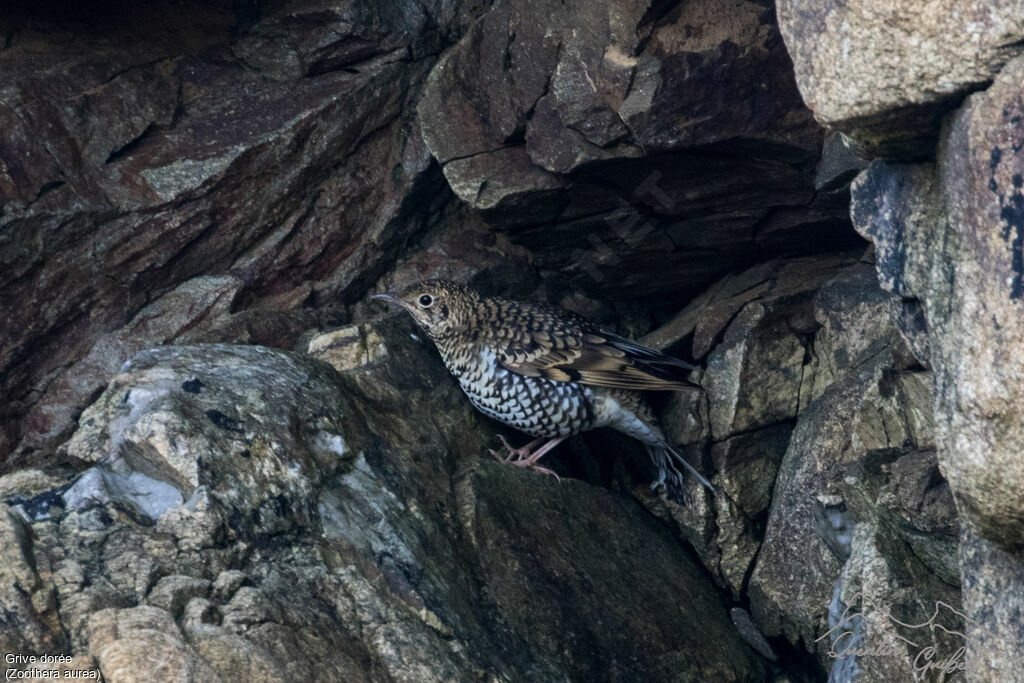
<point x="32" y="493"/>
<point x="886" y="74"/>
<point x="464" y="248"/>
<point x="950" y="245"/>
<point x="187" y="311"/>
<point x="753" y="329"/>
<point x="198" y="179"/>
<point x="839" y="163"/>
<point x="848" y="417"/>
<point x="143" y="644"/>
<point x="168" y="430"/>
<point x="235" y="658"/>
<point x="600" y="136"/>
<point x="31" y="623"/>
<point x="413" y="559"/>
<point x="900" y="582"/>
<point x="598" y="85"/>
<point x="227" y="583"/>
<point x="171" y="593"/>
<point x="25" y="484"/>
<point x="896" y="601"/>
<point x="198" y="614"/>
<point x="991" y="580"/>
<point x="348" y="347"/>
<point x="798" y="547"/>
<point x="805" y="495"/>
<point x="738" y="405"/>
<point x="773" y="283"/>
<point x="977" y="404"/>
<point x="250" y="606"/>
<point x="908" y="231"/>
<point x="748" y="464"/>
<point x="675" y="640"/>
<point x="732" y="324"/>
<point x="249" y="173"/>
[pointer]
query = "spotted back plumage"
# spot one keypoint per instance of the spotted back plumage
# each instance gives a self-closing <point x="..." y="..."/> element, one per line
<point x="538" y="340"/>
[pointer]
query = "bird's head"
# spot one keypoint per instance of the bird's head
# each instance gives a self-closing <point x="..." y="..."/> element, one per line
<point x="440" y="307"/>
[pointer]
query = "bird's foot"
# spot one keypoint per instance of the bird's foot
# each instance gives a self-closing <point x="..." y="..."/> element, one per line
<point x="536" y="468"/>
<point x="525" y="456"/>
<point x="514" y="455"/>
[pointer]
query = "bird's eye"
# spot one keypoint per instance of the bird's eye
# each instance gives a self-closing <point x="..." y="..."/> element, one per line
<point x="426" y="300"/>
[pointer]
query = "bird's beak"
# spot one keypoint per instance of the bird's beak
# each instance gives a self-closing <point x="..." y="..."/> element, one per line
<point x="390" y="298"/>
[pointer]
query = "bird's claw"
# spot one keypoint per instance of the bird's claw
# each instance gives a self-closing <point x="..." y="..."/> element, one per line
<point x="534" y="466"/>
<point x="522" y="456"/>
<point x="506" y="459"/>
<point x="514" y="455"/>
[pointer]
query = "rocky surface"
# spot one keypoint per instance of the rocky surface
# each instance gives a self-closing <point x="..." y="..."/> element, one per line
<point x="886" y="73"/>
<point x="614" y="139"/>
<point x="818" y="428"/>
<point x="244" y="174"/>
<point x="953" y="247"/>
<point x="220" y="461"/>
<point x="227" y="533"/>
<point x="202" y="175"/>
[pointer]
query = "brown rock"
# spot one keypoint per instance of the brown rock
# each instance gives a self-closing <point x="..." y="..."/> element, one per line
<point x="605" y="136"/>
<point x="280" y="161"/>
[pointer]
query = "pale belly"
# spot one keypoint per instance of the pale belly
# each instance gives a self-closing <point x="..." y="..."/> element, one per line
<point x="539" y="407"/>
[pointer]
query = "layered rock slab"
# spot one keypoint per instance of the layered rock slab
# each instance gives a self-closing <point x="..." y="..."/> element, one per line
<point x="197" y="175"/>
<point x="817" y="431"/>
<point x="614" y="139"/>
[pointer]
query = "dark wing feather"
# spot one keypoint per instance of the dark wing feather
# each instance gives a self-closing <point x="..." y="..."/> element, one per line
<point x="543" y="341"/>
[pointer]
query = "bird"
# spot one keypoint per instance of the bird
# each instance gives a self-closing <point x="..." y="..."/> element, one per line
<point x="548" y="372"/>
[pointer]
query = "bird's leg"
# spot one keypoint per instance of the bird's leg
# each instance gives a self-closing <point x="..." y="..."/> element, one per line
<point x="531" y="461"/>
<point x="517" y="453"/>
<point x="522" y="457"/>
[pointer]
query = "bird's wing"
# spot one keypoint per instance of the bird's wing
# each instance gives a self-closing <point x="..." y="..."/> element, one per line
<point x="542" y="341"/>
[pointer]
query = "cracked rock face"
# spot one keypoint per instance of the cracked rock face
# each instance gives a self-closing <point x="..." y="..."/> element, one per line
<point x="814" y="405"/>
<point x="189" y="174"/>
<point x="247" y="173"/>
<point x="604" y="135"/>
<point x="951" y="247"/>
<point x="238" y="532"/>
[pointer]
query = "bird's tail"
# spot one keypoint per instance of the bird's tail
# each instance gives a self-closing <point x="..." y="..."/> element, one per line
<point x="666" y="458"/>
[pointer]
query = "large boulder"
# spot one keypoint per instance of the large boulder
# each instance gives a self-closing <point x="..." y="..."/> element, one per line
<point x="252" y="514"/>
<point x="886" y="73"/>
